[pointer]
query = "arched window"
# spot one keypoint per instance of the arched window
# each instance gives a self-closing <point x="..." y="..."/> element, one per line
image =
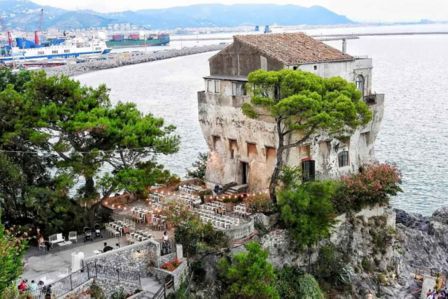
<point x="360" y="83"/>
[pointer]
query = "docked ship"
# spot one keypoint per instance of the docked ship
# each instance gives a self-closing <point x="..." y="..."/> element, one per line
<point x="138" y="40"/>
<point x="25" y="49"/>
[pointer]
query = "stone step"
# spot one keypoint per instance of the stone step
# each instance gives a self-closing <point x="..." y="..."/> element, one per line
<point x="236" y="189"/>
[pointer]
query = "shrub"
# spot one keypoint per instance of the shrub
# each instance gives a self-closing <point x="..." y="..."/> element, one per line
<point x="287" y="283"/>
<point x="260" y="204"/>
<point x="367" y="265"/>
<point x="307" y="211"/>
<point x="248" y="274"/>
<point x="171" y="265"/>
<point x="196" y="236"/>
<point x="330" y="268"/>
<point x="309" y="288"/>
<point x="372" y="186"/>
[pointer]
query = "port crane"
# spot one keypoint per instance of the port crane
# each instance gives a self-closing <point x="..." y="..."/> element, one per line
<point x="5" y="29"/>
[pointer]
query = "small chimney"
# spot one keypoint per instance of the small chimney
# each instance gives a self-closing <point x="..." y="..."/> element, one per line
<point x="344" y="45"/>
<point x="9" y="38"/>
<point x="36" y="38"/>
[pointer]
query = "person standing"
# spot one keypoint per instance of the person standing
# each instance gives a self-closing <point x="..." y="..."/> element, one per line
<point x="33" y="288"/>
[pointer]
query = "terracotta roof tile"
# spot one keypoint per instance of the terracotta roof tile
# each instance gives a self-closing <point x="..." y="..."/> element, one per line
<point x="293" y="48"/>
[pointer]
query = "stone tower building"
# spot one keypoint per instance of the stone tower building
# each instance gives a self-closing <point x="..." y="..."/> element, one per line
<point x="243" y="150"/>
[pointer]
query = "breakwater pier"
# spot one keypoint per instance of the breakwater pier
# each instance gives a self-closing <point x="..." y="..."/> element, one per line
<point x="127" y="58"/>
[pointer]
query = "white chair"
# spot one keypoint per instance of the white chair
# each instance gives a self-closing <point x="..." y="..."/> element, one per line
<point x="56" y="238"/>
<point x="73" y="236"/>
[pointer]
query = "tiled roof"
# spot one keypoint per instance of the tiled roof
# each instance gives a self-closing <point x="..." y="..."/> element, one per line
<point x="293" y="48"/>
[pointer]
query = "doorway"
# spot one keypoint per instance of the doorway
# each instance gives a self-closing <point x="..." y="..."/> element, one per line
<point x="244" y="173"/>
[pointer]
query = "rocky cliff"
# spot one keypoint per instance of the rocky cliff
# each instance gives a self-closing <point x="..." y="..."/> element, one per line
<point x="383" y="250"/>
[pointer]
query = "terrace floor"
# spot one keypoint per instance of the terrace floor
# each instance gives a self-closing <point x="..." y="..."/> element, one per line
<point x="56" y="264"/>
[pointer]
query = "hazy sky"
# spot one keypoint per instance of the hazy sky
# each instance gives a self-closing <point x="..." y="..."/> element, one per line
<point x="359" y="10"/>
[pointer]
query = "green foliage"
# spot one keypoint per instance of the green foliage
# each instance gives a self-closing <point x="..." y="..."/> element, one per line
<point x="291" y="176"/>
<point x="309" y="288"/>
<point x="288" y="282"/>
<point x="96" y="291"/>
<point x="330" y="269"/>
<point x="373" y="186"/>
<point x="307" y="211"/>
<point x="304" y="103"/>
<point x="248" y="274"/>
<point x="198" y="167"/>
<point x="11" y="254"/>
<point x="56" y="134"/>
<point x="136" y="180"/>
<point x="119" y="294"/>
<point x="198" y="237"/>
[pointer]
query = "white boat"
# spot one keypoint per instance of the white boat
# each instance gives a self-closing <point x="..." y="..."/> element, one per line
<point x="67" y="49"/>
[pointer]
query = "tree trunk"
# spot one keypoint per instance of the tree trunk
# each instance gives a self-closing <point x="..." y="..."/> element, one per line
<point x="278" y="163"/>
<point x="275" y="175"/>
<point x="89" y="188"/>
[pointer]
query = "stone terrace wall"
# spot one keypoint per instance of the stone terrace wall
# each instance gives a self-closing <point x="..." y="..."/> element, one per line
<point x="179" y="275"/>
<point x="108" y="286"/>
<point x="241" y="231"/>
<point x="138" y="257"/>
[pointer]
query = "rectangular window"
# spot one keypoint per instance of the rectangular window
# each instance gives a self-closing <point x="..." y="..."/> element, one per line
<point x="308" y="170"/>
<point x="217" y="86"/>
<point x="251" y="149"/>
<point x="216" y="140"/>
<point x="271" y="153"/>
<point x="40" y="53"/>
<point x="263" y="63"/>
<point x="66" y="51"/>
<point x="233" y="148"/>
<point x="238" y="89"/>
<point x="209" y="85"/>
<point x="54" y="52"/>
<point x="343" y="159"/>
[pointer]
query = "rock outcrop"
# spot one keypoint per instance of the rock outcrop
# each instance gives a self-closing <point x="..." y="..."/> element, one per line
<point x="386" y="250"/>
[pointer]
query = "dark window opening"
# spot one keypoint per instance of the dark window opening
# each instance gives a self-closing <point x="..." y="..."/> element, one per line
<point x="308" y="170"/>
<point x="343" y="159"/>
<point x="360" y="84"/>
<point x="244" y="173"/>
<point x="233" y="147"/>
<point x="294" y="68"/>
<point x="315" y="67"/>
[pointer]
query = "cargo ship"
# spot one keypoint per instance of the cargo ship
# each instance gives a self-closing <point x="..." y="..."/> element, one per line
<point x="25" y="49"/>
<point x="138" y="40"/>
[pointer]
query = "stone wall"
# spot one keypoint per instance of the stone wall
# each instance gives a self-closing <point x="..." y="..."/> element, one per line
<point x="179" y="274"/>
<point x="138" y="257"/>
<point x="241" y="231"/>
<point x="236" y="142"/>
<point x="109" y="287"/>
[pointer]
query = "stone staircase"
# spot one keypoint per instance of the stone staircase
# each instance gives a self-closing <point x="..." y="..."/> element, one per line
<point x="236" y="190"/>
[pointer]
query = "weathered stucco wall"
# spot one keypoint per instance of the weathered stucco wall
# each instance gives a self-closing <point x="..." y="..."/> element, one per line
<point x="239" y="59"/>
<point x="243" y="150"/>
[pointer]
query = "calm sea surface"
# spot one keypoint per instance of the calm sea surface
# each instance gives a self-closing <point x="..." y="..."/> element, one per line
<point x="411" y="70"/>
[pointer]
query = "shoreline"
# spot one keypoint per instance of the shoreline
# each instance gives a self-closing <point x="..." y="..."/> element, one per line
<point x="128" y="58"/>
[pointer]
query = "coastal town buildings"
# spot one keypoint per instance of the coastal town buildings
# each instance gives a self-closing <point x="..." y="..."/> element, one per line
<point x="242" y="151"/>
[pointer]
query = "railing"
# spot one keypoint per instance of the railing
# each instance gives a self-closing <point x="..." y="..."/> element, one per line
<point x="74" y="280"/>
<point x="161" y="293"/>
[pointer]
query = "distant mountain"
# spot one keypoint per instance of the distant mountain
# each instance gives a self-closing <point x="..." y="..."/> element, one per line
<point x="24" y="14"/>
<point x="232" y="15"/>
